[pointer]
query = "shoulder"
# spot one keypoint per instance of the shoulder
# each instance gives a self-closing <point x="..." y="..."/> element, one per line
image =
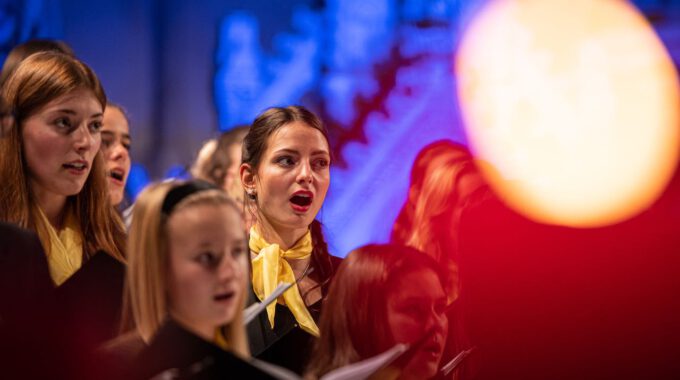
<point x="117" y="355"/>
<point x="175" y="349"/>
<point x="18" y="241"/>
<point x="124" y="347"/>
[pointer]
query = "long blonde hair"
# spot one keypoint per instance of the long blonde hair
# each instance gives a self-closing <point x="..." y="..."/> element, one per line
<point x="147" y="279"/>
<point x="39" y="79"/>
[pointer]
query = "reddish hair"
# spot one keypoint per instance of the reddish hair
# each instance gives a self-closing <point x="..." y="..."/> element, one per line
<point x="354" y="318"/>
<point x="428" y="221"/>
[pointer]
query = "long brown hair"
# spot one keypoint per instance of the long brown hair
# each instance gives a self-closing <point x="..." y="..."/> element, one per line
<point x="147" y="279"/>
<point x="354" y="320"/>
<point x="254" y="146"/>
<point x="39" y="79"/>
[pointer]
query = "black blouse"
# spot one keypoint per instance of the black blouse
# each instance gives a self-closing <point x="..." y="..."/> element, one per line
<point x="177" y="351"/>
<point x="286" y="345"/>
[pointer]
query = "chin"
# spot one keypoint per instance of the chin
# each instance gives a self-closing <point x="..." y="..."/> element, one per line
<point x="226" y="318"/>
<point x="116" y="197"/>
<point x="73" y="190"/>
<point x="421" y="369"/>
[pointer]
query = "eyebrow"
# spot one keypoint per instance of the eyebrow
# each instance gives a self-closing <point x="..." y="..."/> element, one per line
<point x="72" y="112"/>
<point x="110" y="133"/>
<point x="293" y="151"/>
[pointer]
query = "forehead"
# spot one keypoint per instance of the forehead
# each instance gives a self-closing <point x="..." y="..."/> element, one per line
<point x="80" y="101"/>
<point x="78" y="98"/>
<point x="115" y="120"/>
<point x="422" y="283"/>
<point x="297" y="136"/>
<point x="207" y="220"/>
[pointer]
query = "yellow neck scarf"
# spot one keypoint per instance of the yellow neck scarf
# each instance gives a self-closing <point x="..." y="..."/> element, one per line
<point x="220" y="340"/>
<point x="64" y="248"/>
<point x="269" y="270"/>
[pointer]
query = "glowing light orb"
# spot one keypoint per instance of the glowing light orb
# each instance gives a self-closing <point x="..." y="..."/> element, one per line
<point x="574" y="103"/>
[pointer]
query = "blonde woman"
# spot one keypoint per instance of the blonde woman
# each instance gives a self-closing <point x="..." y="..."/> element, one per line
<point x="187" y="280"/>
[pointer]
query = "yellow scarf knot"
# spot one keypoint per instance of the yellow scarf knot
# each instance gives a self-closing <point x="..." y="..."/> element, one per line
<point x="269" y="270"/>
<point x="64" y="248"/>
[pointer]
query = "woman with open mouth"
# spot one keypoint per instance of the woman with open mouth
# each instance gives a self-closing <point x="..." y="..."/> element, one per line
<point x="285" y="174"/>
<point x="187" y="284"/>
<point x="52" y="156"/>
<point x="55" y="185"/>
<point x="116" y="148"/>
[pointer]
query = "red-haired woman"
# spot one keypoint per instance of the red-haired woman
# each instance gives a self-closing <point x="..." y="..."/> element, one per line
<point x="383" y="295"/>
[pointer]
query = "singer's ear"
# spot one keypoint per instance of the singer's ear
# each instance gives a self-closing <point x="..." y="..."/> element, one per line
<point x="248" y="178"/>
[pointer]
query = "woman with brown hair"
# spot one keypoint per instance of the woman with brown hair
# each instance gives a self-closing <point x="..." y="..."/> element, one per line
<point x="383" y="295"/>
<point x="58" y="186"/>
<point x="55" y="185"/>
<point x="285" y="174"/>
<point x="116" y="141"/>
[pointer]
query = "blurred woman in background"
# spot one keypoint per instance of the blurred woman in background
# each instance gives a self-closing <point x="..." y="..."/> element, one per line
<point x="383" y="295"/>
<point x="116" y="148"/>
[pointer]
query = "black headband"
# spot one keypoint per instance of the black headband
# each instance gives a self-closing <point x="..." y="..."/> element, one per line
<point x="177" y="193"/>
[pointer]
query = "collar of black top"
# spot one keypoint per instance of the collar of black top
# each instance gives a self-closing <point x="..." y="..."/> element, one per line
<point x="177" y="193"/>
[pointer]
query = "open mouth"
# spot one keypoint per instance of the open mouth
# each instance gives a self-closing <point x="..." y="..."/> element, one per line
<point x="224" y="297"/>
<point x="77" y="166"/>
<point x="117" y="174"/>
<point x="302" y="199"/>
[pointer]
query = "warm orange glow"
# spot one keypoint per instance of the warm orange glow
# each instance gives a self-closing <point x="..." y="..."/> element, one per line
<point x="576" y="104"/>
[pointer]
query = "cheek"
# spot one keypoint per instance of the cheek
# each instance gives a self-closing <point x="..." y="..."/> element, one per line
<point x="96" y="143"/>
<point x="323" y="184"/>
<point x="405" y="329"/>
<point x="273" y="185"/>
<point x="186" y="285"/>
<point x="40" y="151"/>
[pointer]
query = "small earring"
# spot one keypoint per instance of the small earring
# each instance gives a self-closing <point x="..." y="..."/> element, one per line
<point x="251" y="195"/>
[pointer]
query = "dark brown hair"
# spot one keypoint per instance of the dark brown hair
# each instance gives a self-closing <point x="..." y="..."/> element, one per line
<point x="39" y="79"/>
<point x="353" y="323"/>
<point x="254" y="146"/>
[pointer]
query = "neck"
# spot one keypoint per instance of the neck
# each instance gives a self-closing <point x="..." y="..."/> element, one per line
<point x="53" y="205"/>
<point x="204" y="331"/>
<point x="284" y="237"/>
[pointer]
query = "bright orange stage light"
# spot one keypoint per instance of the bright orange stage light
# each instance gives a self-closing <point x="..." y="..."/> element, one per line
<point x="576" y="105"/>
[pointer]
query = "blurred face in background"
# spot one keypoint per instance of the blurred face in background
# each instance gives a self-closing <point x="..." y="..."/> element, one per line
<point x="116" y="149"/>
<point x="232" y="180"/>
<point x="415" y="307"/>
<point x="208" y="266"/>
